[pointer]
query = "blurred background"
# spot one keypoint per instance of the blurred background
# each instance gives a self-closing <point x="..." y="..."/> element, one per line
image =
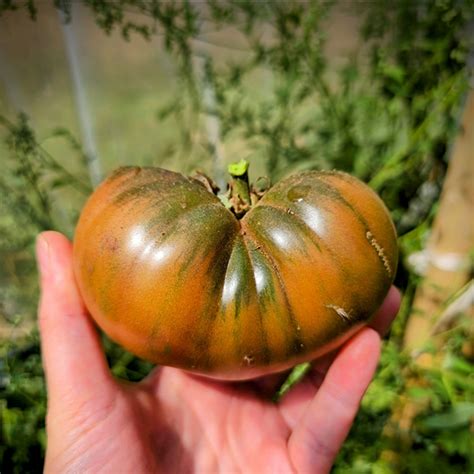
<point x="383" y="91"/>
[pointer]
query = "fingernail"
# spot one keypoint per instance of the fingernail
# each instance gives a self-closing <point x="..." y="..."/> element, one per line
<point x="43" y="255"/>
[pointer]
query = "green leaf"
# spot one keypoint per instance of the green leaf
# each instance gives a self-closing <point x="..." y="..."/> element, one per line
<point x="460" y="415"/>
<point x="296" y="375"/>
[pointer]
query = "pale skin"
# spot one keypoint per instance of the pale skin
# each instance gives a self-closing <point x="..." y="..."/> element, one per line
<point x="173" y="422"/>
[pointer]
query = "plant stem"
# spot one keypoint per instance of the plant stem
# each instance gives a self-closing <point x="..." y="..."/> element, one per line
<point x="295" y="376"/>
<point x="239" y="187"/>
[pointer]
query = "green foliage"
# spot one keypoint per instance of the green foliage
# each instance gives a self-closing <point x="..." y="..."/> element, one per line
<point x="29" y="184"/>
<point x="30" y="175"/>
<point x="22" y="408"/>
<point x="387" y="115"/>
<point x="441" y="435"/>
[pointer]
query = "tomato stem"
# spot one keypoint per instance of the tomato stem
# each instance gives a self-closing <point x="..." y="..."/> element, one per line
<point x="240" y="195"/>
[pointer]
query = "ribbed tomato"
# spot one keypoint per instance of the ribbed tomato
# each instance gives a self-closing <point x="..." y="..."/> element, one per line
<point x="168" y="272"/>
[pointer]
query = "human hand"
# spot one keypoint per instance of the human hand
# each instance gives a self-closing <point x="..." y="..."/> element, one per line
<point x="176" y="422"/>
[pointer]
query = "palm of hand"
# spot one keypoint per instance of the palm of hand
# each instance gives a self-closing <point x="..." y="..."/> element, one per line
<point x="178" y="423"/>
<point x="174" y="422"/>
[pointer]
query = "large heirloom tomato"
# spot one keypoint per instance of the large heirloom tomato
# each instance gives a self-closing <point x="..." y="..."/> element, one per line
<point x="168" y="272"/>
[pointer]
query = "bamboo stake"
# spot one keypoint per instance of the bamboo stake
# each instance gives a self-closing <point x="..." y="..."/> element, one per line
<point x="451" y="240"/>
<point x="449" y="269"/>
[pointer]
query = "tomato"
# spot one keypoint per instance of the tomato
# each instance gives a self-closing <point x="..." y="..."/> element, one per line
<point x="168" y="272"/>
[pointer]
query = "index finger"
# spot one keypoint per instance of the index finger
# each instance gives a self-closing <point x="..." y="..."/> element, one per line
<point x="297" y="399"/>
<point x="386" y="314"/>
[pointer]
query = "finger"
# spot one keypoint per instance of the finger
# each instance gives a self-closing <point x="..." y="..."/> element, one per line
<point x="386" y="314"/>
<point x="317" y="438"/>
<point x="381" y="322"/>
<point x="295" y="402"/>
<point x="73" y="359"/>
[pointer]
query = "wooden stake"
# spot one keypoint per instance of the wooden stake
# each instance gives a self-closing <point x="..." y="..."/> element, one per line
<point x="449" y="246"/>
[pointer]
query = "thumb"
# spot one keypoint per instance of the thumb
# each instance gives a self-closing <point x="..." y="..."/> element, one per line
<point x="76" y="369"/>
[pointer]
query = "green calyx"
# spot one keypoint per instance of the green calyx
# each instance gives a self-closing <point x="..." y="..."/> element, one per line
<point x="240" y="195"/>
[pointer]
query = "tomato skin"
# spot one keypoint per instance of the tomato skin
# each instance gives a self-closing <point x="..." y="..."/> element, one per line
<point x="170" y="274"/>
